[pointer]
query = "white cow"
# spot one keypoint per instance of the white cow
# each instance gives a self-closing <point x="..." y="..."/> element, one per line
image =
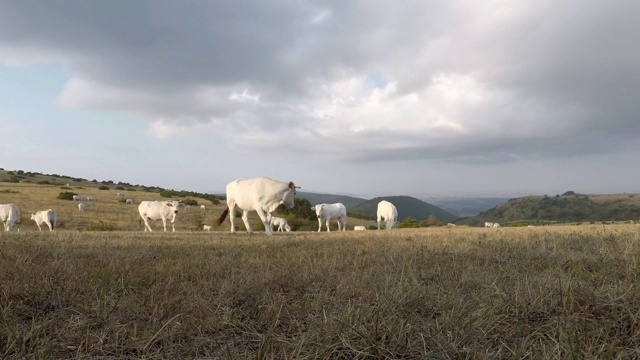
<point x="129" y="201"/>
<point x="359" y="228"/>
<point x="326" y="212"/>
<point x="187" y="207"/>
<point x="159" y="210"/>
<point x="387" y="212"/>
<point x="120" y="194"/>
<point x="48" y="217"/>
<point x="91" y="198"/>
<point x="206" y="227"/>
<point x="203" y="207"/>
<point x="281" y="223"/>
<point x="496" y="225"/>
<point x="262" y="195"/>
<point x="81" y="207"/>
<point x="77" y="198"/>
<point x="488" y="224"/>
<point x="9" y="215"/>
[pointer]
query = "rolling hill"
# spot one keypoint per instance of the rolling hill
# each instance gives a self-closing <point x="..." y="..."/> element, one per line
<point x="408" y="207"/>
<point x="314" y="198"/>
<point x="563" y="208"/>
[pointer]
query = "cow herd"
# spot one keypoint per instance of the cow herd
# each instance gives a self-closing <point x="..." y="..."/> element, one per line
<point x="262" y="195"/>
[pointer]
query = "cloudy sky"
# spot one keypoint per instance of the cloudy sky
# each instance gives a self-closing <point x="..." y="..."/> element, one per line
<point x="367" y="98"/>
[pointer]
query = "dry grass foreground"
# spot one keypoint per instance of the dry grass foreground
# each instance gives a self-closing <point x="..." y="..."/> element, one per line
<point x="545" y="293"/>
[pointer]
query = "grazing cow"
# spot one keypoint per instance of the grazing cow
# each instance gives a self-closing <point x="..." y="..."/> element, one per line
<point x="187" y="207"/>
<point x="129" y="201"/>
<point x="206" y="227"/>
<point x="387" y="212"/>
<point x="91" y="198"/>
<point x="488" y="224"/>
<point x="262" y="195"/>
<point x="77" y="197"/>
<point x="281" y="223"/>
<point x="326" y="212"/>
<point x="159" y="210"/>
<point x="451" y="224"/>
<point x="48" y="217"/>
<point x="81" y="207"/>
<point x="9" y="216"/>
<point x="120" y="194"/>
<point x="203" y="207"/>
<point x="495" y="225"/>
<point x="359" y="228"/>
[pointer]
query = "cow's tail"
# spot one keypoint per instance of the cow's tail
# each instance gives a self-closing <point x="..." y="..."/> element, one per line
<point x="223" y="216"/>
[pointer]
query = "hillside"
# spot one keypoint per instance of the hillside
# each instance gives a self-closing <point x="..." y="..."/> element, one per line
<point x="314" y="198"/>
<point x="408" y="207"/>
<point x="466" y="206"/>
<point x="565" y="208"/>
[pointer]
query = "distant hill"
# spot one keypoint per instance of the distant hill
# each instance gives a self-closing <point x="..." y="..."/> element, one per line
<point x="407" y="207"/>
<point x="314" y="198"/>
<point x="563" y="208"/>
<point x="466" y="206"/>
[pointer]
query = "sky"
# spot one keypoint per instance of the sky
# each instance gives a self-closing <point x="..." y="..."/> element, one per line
<point x="363" y="98"/>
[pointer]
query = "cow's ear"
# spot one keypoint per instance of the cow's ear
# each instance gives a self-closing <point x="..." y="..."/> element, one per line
<point x="292" y="186"/>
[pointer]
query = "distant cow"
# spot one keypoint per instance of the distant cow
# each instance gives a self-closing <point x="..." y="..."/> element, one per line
<point x="81" y="207"/>
<point x="326" y="212"/>
<point x="488" y="224"/>
<point x="281" y="223"/>
<point x="159" y="210"/>
<point x="48" y="217"/>
<point x="120" y="194"/>
<point x="359" y="228"/>
<point x="91" y="198"/>
<point x="387" y="212"/>
<point x="262" y="195"/>
<point x="495" y="225"/>
<point x="9" y="216"/>
<point x="206" y="227"/>
<point x="77" y="197"/>
<point x="451" y="224"/>
<point x="129" y="201"/>
<point x="203" y="207"/>
<point x="187" y="207"/>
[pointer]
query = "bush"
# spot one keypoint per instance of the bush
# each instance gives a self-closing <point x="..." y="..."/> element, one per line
<point x="191" y="202"/>
<point x="66" y="195"/>
<point x="103" y="187"/>
<point x="408" y="223"/>
<point x="119" y="187"/>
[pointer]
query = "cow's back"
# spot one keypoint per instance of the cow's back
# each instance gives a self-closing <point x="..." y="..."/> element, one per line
<point x="250" y="193"/>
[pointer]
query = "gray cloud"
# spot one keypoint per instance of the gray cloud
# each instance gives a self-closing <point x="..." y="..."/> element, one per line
<point x="372" y="81"/>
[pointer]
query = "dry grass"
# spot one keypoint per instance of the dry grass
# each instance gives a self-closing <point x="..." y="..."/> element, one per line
<point x="552" y="292"/>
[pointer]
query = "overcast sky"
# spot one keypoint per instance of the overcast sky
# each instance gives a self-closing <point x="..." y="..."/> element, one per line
<point x="367" y="98"/>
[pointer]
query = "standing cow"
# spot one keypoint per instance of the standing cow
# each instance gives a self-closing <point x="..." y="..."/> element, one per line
<point x="81" y="207"/>
<point x="327" y="212"/>
<point x="48" y="217"/>
<point x="159" y="210"/>
<point x="262" y="195"/>
<point x="9" y="216"/>
<point x="387" y="212"/>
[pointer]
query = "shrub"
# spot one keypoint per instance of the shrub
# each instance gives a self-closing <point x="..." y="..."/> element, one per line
<point x="408" y="223"/>
<point x="103" y="187"/>
<point x="191" y="202"/>
<point x="119" y="187"/>
<point x="66" y="195"/>
<point x="65" y="188"/>
<point x="44" y="182"/>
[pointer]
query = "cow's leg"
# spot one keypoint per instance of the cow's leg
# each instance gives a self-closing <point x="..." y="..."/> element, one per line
<point x="146" y="223"/>
<point x="328" y="223"/>
<point x="245" y="220"/>
<point x="263" y="216"/>
<point x="39" y="228"/>
<point x="319" y="224"/>
<point x="378" y="221"/>
<point x="173" y="225"/>
<point x="232" y="216"/>
<point x="344" y="224"/>
<point x="50" y="226"/>
<point x="164" y="224"/>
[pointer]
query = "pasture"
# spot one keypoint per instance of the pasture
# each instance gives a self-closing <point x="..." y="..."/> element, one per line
<point x="553" y="292"/>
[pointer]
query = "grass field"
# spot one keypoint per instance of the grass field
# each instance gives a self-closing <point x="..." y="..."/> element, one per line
<point x="550" y="292"/>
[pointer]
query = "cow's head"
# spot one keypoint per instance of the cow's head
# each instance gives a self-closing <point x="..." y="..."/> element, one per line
<point x="174" y="205"/>
<point x="288" y="196"/>
<point x="319" y="209"/>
